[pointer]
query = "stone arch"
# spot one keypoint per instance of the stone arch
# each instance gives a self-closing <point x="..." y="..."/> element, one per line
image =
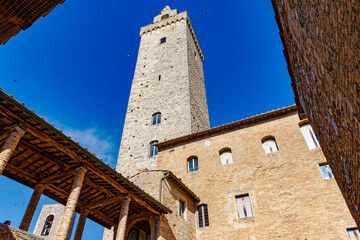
<point x="139" y="218"/>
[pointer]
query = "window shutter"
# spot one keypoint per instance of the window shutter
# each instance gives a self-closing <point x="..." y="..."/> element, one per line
<point x="354" y="234"/>
<point x="241" y="212"/>
<point x="206" y="215"/>
<point x="196" y="164"/>
<point x="324" y="172"/>
<point x="223" y="158"/>
<point x="200" y="213"/>
<point x="270" y="146"/>
<point x="191" y="165"/>
<point x="330" y="171"/>
<point x="248" y="206"/>
<point x="309" y="136"/>
<point x="229" y="157"/>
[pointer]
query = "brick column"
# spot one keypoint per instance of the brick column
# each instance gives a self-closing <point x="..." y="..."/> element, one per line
<point x="81" y="224"/>
<point x="157" y="228"/>
<point x="120" y="233"/>
<point x="9" y="146"/>
<point x="71" y="204"/>
<point x="29" y="213"/>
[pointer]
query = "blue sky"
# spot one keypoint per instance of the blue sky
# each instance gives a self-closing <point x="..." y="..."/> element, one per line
<point x="72" y="67"/>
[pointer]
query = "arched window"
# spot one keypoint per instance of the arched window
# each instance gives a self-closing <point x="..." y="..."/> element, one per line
<point x="193" y="164"/>
<point x="203" y="216"/>
<point x="165" y="16"/>
<point x="269" y="144"/>
<point x="225" y="156"/>
<point x="47" y="226"/>
<point x="163" y="40"/>
<point x="309" y="136"/>
<point x="133" y="235"/>
<point x="153" y="149"/>
<point x="156" y="118"/>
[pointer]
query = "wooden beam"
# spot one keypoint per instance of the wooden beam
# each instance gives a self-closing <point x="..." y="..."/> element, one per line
<point x="82" y="205"/>
<point x="88" y="181"/>
<point x="4" y="136"/>
<point x="91" y="168"/>
<point x="42" y="153"/>
<point x="12" y="168"/>
<point x="58" y="176"/>
<point x="69" y="152"/>
<point x="97" y="204"/>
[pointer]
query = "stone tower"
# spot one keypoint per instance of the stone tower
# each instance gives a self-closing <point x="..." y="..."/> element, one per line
<point x="167" y="98"/>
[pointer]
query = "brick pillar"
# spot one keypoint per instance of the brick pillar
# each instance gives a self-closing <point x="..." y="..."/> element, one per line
<point x="9" y="146"/>
<point x="120" y="233"/>
<point x="157" y="228"/>
<point x="71" y="204"/>
<point x="29" y="213"/>
<point x="81" y="224"/>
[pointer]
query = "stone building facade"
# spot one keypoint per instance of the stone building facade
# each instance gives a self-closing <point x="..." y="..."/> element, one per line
<point x="263" y="177"/>
<point x="48" y="223"/>
<point x="168" y="81"/>
<point x="321" y="46"/>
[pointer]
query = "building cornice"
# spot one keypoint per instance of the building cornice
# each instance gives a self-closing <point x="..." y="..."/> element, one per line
<point x="181" y="17"/>
<point x="227" y="127"/>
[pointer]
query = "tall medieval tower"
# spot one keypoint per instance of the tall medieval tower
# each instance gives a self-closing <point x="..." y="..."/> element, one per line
<point x="167" y="98"/>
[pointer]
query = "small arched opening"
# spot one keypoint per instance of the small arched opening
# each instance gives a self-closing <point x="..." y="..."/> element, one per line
<point x="47" y="225"/>
<point x="140" y="231"/>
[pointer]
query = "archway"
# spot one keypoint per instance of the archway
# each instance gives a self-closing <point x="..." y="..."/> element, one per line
<point x="140" y="231"/>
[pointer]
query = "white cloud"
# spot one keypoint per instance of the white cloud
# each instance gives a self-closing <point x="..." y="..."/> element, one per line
<point x="101" y="146"/>
<point x="91" y="138"/>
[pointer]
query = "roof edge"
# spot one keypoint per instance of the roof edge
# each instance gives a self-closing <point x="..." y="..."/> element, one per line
<point x="227" y="127"/>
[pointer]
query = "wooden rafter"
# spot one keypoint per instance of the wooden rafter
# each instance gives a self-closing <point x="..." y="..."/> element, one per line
<point x="105" y="202"/>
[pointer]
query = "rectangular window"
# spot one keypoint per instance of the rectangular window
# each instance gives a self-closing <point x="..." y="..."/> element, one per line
<point x="326" y="171"/>
<point x="354" y="234"/>
<point x="163" y="40"/>
<point x="309" y="136"/>
<point x="244" y="206"/>
<point x="182" y="208"/>
<point x="203" y="216"/>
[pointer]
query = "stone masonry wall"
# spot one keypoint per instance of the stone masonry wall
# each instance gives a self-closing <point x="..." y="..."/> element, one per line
<point x="172" y="225"/>
<point x="289" y="196"/>
<point x="51" y="209"/>
<point x="321" y="39"/>
<point x="161" y="84"/>
<point x="11" y="233"/>
<point x="198" y="104"/>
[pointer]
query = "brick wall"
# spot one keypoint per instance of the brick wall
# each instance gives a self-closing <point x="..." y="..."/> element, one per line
<point x="11" y="233"/>
<point x="322" y="48"/>
<point x="289" y="196"/>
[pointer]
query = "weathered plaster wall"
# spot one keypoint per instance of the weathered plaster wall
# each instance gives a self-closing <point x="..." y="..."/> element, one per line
<point x="321" y="39"/>
<point x="289" y="196"/>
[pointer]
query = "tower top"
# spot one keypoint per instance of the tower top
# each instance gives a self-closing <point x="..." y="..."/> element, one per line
<point x="165" y="13"/>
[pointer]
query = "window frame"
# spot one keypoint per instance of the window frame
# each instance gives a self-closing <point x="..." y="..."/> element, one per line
<point x="355" y="231"/>
<point x="46" y="227"/>
<point x="308" y="133"/>
<point x="153" y="151"/>
<point x="192" y="164"/>
<point x="247" y="209"/>
<point x="156" y="118"/>
<point x="267" y="139"/>
<point x="204" y="221"/>
<point x="182" y="208"/>
<point x="226" y="150"/>
<point x="326" y="167"/>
